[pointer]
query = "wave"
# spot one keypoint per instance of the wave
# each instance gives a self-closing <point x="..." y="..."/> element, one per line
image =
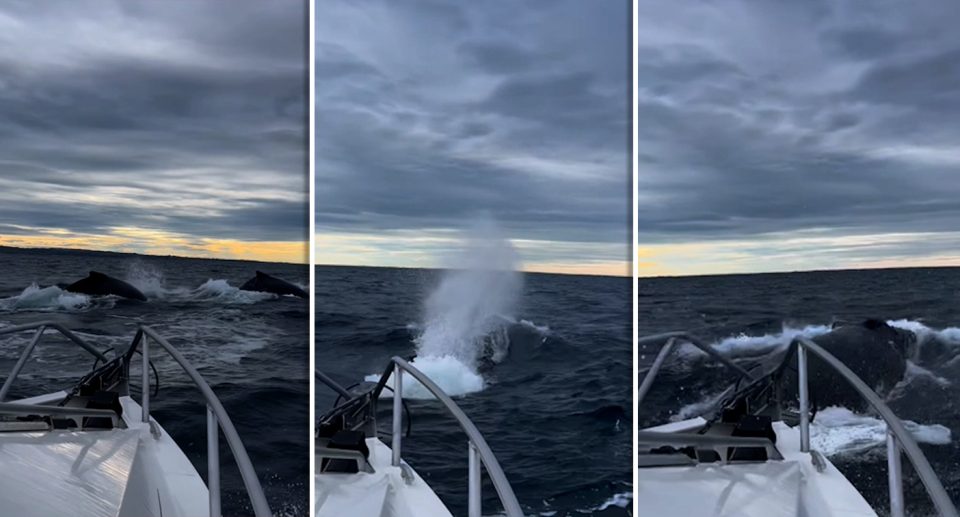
<point x="222" y="291"/>
<point x="52" y="298"/>
<point x="933" y="345"/>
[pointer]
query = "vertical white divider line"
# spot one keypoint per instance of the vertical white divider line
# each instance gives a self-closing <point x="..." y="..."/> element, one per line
<point x="311" y="170"/>
<point x="636" y="249"/>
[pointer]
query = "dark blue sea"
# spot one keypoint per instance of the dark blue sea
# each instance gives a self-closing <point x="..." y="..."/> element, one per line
<point x="252" y="348"/>
<point x="747" y="316"/>
<point x="546" y="376"/>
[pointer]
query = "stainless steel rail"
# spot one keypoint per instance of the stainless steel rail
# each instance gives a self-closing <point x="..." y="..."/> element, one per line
<point x="217" y="418"/>
<point x="898" y="438"/>
<point x="666" y="343"/>
<point x="478" y="452"/>
<point x="41" y="326"/>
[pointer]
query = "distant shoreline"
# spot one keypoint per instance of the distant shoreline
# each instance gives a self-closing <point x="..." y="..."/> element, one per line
<point x="81" y="251"/>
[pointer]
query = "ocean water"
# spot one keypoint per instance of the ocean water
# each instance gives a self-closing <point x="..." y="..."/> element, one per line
<point x="542" y="364"/>
<point x="749" y="315"/>
<point x="252" y="348"/>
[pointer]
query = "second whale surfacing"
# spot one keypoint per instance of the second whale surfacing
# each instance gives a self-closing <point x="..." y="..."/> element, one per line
<point x="875" y="351"/>
<point x="99" y="284"/>
<point x="265" y="283"/>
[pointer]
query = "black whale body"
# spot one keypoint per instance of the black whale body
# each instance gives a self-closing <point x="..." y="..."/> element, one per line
<point x="873" y="350"/>
<point x="265" y="283"/>
<point x="99" y="284"/>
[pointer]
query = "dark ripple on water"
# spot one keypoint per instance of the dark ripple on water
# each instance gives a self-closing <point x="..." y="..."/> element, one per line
<point x="252" y="349"/>
<point x="724" y="307"/>
<point x="557" y="416"/>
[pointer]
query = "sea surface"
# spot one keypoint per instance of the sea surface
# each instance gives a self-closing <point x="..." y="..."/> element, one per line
<point x="546" y="377"/>
<point x="750" y="315"/>
<point x="252" y="349"/>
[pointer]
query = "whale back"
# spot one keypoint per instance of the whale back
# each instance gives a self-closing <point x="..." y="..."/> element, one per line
<point x="265" y="283"/>
<point x="99" y="284"/>
<point x="873" y="350"/>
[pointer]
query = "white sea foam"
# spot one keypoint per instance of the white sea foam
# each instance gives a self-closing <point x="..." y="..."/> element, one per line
<point x="839" y="431"/>
<point x="46" y="299"/>
<point x="222" y="291"/>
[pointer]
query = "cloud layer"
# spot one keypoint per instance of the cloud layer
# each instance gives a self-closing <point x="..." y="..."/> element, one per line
<point x="184" y="121"/>
<point x="430" y="112"/>
<point x="768" y="122"/>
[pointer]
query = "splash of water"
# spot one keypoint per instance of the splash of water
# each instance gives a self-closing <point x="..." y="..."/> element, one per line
<point x="475" y="297"/>
<point x="46" y="299"/>
<point x="147" y="278"/>
<point x="465" y="317"/>
<point x="222" y="291"/>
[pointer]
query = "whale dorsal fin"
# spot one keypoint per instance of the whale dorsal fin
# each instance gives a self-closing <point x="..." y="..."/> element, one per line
<point x="94" y="274"/>
<point x="874" y="324"/>
<point x="261" y="274"/>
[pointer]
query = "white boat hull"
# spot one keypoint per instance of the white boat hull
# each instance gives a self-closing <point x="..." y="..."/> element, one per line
<point x="791" y="487"/>
<point x="98" y="473"/>
<point x="383" y="493"/>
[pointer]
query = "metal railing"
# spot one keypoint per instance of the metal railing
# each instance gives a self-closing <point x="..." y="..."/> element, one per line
<point x="898" y="438"/>
<point x="667" y="342"/>
<point x="217" y="418"/>
<point x="41" y="326"/>
<point x="478" y="452"/>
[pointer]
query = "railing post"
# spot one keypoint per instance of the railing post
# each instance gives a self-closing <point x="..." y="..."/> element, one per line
<point x="473" y="496"/>
<point x="213" y="461"/>
<point x="654" y="370"/>
<point x="804" y="398"/>
<point x="894" y="475"/>
<point x="145" y="390"/>
<point x="397" y="413"/>
<point x="20" y="362"/>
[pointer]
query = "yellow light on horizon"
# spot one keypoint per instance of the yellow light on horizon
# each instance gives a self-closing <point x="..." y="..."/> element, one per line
<point x="162" y="243"/>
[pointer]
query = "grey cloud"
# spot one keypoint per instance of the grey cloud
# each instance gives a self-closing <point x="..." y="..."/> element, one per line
<point x="197" y="101"/>
<point x="517" y="110"/>
<point x="843" y="121"/>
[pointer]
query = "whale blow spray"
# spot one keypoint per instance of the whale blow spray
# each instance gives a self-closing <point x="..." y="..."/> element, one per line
<point x="463" y="317"/>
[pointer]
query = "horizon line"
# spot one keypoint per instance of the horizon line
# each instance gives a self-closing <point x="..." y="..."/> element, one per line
<point x="31" y="248"/>
<point x="794" y="271"/>
<point x="448" y="268"/>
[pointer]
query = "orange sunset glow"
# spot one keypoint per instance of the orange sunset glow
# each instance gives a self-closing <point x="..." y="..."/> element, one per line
<point x="161" y="243"/>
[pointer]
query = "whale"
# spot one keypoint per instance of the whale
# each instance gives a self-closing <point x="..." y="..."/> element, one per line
<point x="873" y="350"/>
<point x="265" y="283"/>
<point x="99" y="284"/>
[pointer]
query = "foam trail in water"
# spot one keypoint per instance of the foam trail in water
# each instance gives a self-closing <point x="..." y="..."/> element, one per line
<point x="222" y="291"/>
<point x="49" y="298"/>
<point x="465" y="315"/>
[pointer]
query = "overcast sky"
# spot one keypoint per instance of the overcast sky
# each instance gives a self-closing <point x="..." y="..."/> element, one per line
<point x="431" y="112"/>
<point x="798" y="135"/>
<point x="155" y="127"/>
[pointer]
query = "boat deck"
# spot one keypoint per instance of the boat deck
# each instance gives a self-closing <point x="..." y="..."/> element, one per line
<point x="383" y="493"/>
<point x="792" y="487"/>
<point x="116" y="472"/>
